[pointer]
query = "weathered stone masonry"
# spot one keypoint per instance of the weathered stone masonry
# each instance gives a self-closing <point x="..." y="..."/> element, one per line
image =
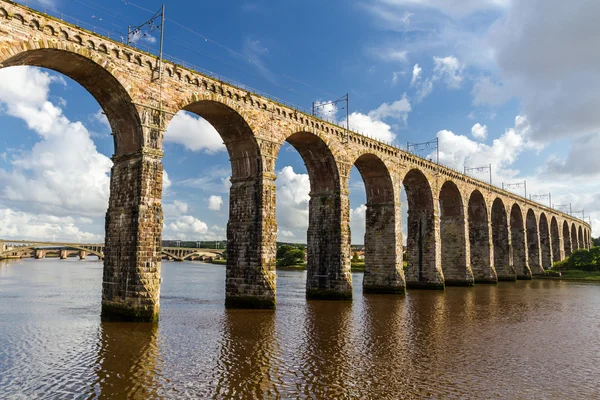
<point x="460" y="230"/>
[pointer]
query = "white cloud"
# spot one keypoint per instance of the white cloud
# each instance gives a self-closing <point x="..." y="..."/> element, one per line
<point x="446" y="69"/>
<point x="449" y="70"/>
<point x="215" y="203"/>
<point x="357" y="223"/>
<point x="175" y="209"/>
<point x="292" y="203"/>
<point x="395" y="77"/>
<point x="395" y="11"/>
<point x="21" y="225"/>
<point x="416" y="74"/>
<point x="63" y="173"/>
<point x="194" y="133"/>
<point x="487" y="92"/>
<point x="326" y="110"/>
<point x="552" y="68"/>
<point x="366" y="125"/>
<point x="188" y="224"/>
<point x="458" y="151"/>
<point x="479" y="131"/>
<point x="399" y="109"/>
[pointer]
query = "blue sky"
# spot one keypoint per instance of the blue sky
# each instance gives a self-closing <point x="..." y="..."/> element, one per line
<point x="492" y="79"/>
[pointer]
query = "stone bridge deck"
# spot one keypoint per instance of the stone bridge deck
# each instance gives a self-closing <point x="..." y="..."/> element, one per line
<point x="460" y="230"/>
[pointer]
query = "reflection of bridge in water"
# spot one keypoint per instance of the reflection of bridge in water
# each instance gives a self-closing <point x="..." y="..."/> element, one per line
<point x="17" y="249"/>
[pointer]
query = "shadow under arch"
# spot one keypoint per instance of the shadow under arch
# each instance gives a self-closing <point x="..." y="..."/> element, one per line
<point x="424" y="270"/>
<point x="533" y="243"/>
<point x="545" y="242"/>
<point x="480" y="242"/>
<point x="453" y="244"/>
<point x="108" y="91"/>
<point x="581" y="242"/>
<point x="383" y="234"/>
<point x="328" y="237"/>
<point x="501" y="242"/>
<point x="555" y="239"/>
<point x="574" y="242"/>
<point x="567" y="239"/>
<point x="519" y="243"/>
<point x="252" y="227"/>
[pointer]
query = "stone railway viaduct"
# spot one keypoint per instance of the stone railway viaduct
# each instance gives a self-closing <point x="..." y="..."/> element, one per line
<point x="460" y="230"/>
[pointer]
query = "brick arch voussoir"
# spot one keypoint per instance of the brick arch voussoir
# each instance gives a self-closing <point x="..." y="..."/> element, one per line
<point x="339" y="153"/>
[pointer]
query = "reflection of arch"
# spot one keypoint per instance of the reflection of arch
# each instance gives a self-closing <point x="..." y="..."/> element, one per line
<point x="567" y="239"/>
<point x="453" y="243"/>
<point x="251" y="239"/>
<point x="328" y="269"/>
<point x="518" y="243"/>
<point x="555" y="239"/>
<point x="99" y="82"/>
<point x="501" y="242"/>
<point x="574" y="242"/>
<point x="545" y="245"/>
<point x="422" y="255"/>
<point x="383" y="236"/>
<point x="479" y="240"/>
<point x="533" y="243"/>
<point x="581" y="242"/>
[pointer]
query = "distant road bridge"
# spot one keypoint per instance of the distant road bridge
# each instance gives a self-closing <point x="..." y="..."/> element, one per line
<point x="461" y="231"/>
<point x="14" y="249"/>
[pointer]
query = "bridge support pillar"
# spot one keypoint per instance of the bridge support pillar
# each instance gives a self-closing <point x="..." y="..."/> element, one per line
<point x="39" y="254"/>
<point x="63" y="254"/>
<point x="251" y="243"/>
<point x="82" y="254"/>
<point x="134" y="220"/>
<point x="519" y="253"/>
<point x="423" y="250"/>
<point x="482" y="254"/>
<point x="383" y="250"/>
<point x="328" y="272"/>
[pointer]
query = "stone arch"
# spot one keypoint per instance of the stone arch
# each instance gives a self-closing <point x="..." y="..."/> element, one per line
<point x="480" y="240"/>
<point x="557" y="255"/>
<point x="533" y="243"/>
<point x="424" y="270"/>
<point x="252" y="227"/>
<point x="501" y="242"/>
<point x="574" y="241"/>
<point x="568" y="248"/>
<point x="545" y="242"/>
<point x="580" y="237"/>
<point x="519" y="243"/>
<point x="99" y="82"/>
<point x="453" y="233"/>
<point x="328" y="270"/>
<point x="383" y="234"/>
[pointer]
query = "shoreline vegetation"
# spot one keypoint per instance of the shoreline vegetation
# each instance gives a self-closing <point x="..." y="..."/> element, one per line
<point x="582" y="265"/>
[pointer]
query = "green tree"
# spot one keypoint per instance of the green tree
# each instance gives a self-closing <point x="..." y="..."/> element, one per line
<point x="292" y="257"/>
<point x="355" y="257"/>
<point x="282" y="250"/>
<point x="596" y="241"/>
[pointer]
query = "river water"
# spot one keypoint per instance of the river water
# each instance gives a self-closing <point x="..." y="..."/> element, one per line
<point x="536" y="339"/>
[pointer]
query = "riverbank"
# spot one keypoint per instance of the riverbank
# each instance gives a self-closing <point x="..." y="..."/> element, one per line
<point x="572" y="275"/>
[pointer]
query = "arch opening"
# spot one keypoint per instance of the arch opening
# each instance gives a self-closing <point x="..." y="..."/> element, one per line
<point x="580" y="237"/>
<point x="533" y="243"/>
<point x="110" y="94"/>
<point x="568" y="248"/>
<point x="250" y="280"/>
<point x="545" y="242"/>
<point x="519" y="243"/>
<point x="383" y="235"/>
<point x="328" y="235"/>
<point x="555" y="239"/>
<point x="574" y="241"/>
<point x="424" y="270"/>
<point x="479" y="240"/>
<point x="501" y="243"/>
<point x="453" y="243"/>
